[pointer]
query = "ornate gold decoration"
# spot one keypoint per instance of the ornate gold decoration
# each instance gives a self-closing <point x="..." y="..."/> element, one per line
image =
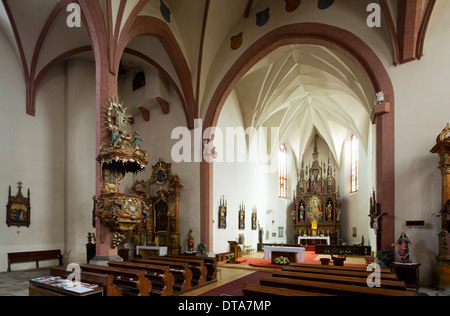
<point x="123" y="154"/>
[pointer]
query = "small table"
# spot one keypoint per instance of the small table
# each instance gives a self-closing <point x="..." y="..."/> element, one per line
<point x="408" y="272"/>
<point x="162" y="251"/>
<point x="289" y="252"/>
<point x="300" y="238"/>
<point x="43" y="289"/>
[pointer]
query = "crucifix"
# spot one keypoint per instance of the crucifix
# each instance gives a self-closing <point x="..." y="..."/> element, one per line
<point x="375" y="217"/>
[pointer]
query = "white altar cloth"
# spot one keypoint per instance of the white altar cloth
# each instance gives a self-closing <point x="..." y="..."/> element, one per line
<point x="300" y="250"/>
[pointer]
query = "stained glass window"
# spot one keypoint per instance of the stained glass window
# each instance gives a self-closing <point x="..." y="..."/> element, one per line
<point x="283" y="172"/>
<point x="355" y="164"/>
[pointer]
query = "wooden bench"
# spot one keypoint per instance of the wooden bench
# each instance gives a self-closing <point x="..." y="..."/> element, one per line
<point x="387" y="284"/>
<point x="197" y="267"/>
<point x="104" y="280"/>
<point x="261" y="290"/>
<point x="320" y="270"/>
<point x="130" y="281"/>
<point x="180" y="271"/>
<point x="330" y="288"/>
<point x="160" y="276"/>
<point x="344" y="268"/>
<point x="30" y="256"/>
<point x="209" y="262"/>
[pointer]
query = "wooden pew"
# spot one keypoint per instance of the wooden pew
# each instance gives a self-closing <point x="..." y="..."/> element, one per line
<point x="180" y="271"/>
<point x="330" y="288"/>
<point x="197" y="267"/>
<point x="356" y="274"/>
<point x="103" y="280"/>
<point x="261" y="290"/>
<point x="127" y="279"/>
<point x="160" y="276"/>
<point x="344" y="268"/>
<point x="30" y="256"/>
<point x="209" y="262"/>
<point x="387" y="284"/>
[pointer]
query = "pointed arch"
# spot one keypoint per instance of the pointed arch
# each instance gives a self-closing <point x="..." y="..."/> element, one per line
<point x="361" y="55"/>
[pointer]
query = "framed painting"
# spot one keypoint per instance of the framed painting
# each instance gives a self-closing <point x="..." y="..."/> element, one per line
<point x="223" y="213"/>
<point x="242" y="217"/>
<point x="18" y="209"/>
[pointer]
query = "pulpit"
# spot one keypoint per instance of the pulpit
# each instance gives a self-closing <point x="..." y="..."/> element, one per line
<point x="442" y="148"/>
<point x="236" y="249"/>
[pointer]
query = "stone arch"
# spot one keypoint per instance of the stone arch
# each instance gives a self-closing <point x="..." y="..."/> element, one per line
<point x="361" y="55"/>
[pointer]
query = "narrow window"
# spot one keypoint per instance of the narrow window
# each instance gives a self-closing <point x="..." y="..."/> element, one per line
<point x="283" y="172"/>
<point x="355" y="164"/>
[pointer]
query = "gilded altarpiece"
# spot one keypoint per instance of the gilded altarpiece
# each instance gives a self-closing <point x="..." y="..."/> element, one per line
<point x="442" y="148"/>
<point x="161" y="194"/>
<point x="317" y="199"/>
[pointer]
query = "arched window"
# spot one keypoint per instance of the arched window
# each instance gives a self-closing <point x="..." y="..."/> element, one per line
<point x="139" y="81"/>
<point x="283" y="172"/>
<point x="355" y="164"/>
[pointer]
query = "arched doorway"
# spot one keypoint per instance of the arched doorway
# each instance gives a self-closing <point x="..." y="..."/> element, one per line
<point x="362" y="56"/>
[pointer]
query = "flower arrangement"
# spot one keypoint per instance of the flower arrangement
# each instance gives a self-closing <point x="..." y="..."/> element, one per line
<point x="230" y="257"/>
<point x="282" y="261"/>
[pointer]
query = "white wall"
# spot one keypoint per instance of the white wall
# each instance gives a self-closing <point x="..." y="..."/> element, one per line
<point x="80" y="156"/>
<point x="32" y="151"/>
<point x="252" y="182"/>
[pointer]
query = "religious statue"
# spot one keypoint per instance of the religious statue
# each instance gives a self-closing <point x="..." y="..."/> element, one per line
<point x="136" y="140"/>
<point x="403" y="243"/>
<point x="190" y="240"/>
<point x="445" y="215"/>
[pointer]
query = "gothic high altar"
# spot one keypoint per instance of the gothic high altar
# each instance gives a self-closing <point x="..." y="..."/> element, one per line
<point x="317" y="201"/>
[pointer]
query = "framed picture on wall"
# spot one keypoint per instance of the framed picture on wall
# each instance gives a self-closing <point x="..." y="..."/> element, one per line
<point x="254" y="219"/>
<point x="18" y="209"/>
<point x="223" y="214"/>
<point x="242" y="216"/>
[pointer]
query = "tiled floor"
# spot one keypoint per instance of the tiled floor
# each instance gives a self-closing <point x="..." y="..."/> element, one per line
<point x="16" y="283"/>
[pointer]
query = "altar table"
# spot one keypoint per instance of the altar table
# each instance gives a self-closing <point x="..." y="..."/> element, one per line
<point x="161" y="250"/>
<point x="289" y="252"/>
<point x="313" y="238"/>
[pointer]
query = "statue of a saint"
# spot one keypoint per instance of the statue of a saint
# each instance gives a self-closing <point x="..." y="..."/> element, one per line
<point x="403" y="243"/>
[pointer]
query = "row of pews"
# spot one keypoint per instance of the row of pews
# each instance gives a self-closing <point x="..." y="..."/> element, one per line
<point x="299" y="279"/>
<point x="154" y="276"/>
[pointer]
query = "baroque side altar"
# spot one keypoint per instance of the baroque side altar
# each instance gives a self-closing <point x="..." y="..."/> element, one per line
<point x="442" y="148"/>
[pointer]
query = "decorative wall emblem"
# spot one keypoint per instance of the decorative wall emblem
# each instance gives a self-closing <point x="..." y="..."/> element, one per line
<point x="262" y="17"/>
<point x="292" y="5"/>
<point x="18" y="209"/>
<point x="236" y="41"/>
<point x="325" y="4"/>
<point x="165" y="11"/>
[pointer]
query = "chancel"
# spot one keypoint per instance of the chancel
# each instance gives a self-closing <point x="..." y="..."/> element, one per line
<point x="211" y="147"/>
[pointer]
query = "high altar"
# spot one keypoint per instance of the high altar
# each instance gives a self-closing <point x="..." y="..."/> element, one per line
<point x="162" y="196"/>
<point x="317" y="199"/>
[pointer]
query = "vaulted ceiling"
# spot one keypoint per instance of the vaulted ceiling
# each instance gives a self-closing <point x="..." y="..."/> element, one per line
<point x="303" y="89"/>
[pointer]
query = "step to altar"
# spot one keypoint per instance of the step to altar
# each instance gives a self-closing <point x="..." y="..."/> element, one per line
<point x="310" y="248"/>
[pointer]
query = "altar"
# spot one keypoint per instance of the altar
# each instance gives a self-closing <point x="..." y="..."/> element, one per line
<point x="294" y="254"/>
<point x="327" y="239"/>
<point x="146" y="251"/>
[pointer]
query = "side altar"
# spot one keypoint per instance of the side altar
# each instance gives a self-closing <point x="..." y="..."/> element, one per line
<point x="161" y="195"/>
<point x="317" y="205"/>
